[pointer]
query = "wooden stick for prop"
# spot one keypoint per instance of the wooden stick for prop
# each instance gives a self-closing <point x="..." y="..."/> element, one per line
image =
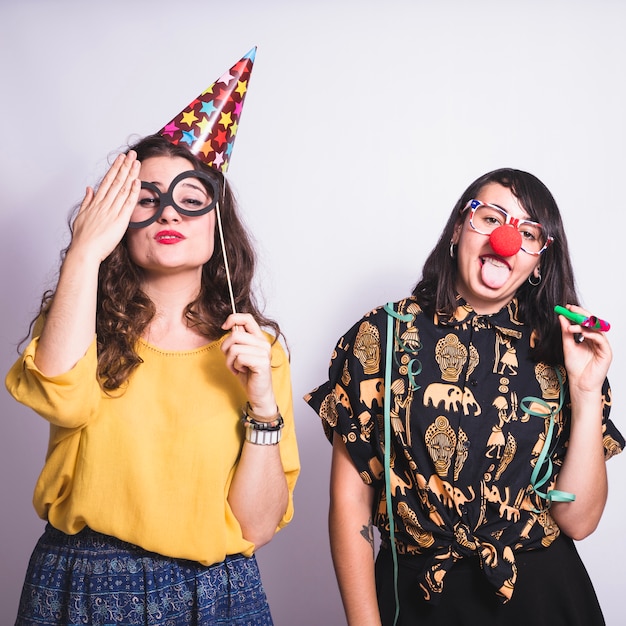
<point x="221" y="233"/>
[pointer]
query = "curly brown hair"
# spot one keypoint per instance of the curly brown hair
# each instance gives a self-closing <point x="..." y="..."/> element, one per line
<point x="124" y="311"/>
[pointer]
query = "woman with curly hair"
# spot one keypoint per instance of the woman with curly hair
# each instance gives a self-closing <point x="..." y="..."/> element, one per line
<point x="172" y="453"/>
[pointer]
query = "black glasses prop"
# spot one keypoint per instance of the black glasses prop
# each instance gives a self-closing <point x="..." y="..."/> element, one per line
<point x="191" y="193"/>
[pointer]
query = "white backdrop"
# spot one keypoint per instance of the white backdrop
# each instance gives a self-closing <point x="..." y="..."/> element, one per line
<point x="363" y="124"/>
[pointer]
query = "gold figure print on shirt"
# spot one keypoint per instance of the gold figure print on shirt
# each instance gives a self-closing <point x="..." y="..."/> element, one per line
<point x="440" y="440"/>
<point x="505" y="361"/>
<point x="367" y="348"/>
<point x="451" y="356"/>
<point x="506" y="412"/>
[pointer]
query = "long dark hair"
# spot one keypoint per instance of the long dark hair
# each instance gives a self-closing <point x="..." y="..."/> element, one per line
<point x="124" y="310"/>
<point x="436" y="291"/>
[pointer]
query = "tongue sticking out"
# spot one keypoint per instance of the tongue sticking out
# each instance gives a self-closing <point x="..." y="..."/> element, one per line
<point x="494" y="272"/>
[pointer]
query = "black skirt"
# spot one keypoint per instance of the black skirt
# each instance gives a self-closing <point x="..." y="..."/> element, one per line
<point x="552" y="589"/>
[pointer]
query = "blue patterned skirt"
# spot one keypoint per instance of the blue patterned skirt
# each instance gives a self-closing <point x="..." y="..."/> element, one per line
<point x="94" y="579"/>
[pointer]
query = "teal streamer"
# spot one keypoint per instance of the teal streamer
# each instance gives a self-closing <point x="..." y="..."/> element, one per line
<point x="544" y="460"/>
<point x="387" y="456"/>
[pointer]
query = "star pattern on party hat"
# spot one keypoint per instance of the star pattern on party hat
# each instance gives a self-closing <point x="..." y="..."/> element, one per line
<point x="209" y="124"/>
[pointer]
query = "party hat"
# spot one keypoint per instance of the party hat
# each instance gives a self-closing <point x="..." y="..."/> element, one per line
<point x="209" y="124"/>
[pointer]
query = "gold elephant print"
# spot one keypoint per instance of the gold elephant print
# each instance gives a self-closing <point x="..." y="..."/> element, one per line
<point x="452" y="397"/>
<point x="396" y="483"/>
<point x="470" y="402"/>
<point x="505" y="510"/>
<point x="451" y="496"/>
<point x="508" y="509"/>
<point x="371" y="390"/>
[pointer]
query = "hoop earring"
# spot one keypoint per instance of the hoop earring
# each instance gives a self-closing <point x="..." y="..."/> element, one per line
<point x="537" y="279"/>
<point x="452" y="249"/>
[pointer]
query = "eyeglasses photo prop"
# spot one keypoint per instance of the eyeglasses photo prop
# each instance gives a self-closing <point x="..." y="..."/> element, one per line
<point x="507" y="234"/>
<point x="192" y="193"/>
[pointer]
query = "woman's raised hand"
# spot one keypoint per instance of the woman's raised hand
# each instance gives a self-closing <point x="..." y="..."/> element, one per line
<point x="104" y="214"/>
<point x="99" y="226"/>
<point x="248" y="356"/>
<point x="587" y="361"/>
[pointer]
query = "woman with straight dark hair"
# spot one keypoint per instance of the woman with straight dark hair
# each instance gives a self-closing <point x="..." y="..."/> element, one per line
<point x="470" y="424"/>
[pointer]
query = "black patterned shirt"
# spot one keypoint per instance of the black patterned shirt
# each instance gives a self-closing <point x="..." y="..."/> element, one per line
<point x="479" y="432"/>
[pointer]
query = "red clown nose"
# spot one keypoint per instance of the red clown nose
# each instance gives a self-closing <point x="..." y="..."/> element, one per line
<point x="506" y="240"/>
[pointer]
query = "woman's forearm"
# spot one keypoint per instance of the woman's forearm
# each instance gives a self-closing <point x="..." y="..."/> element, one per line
<point x="351" y="539"/>
<point x="584" y="470"/>
<point x="70" y="323"/>
<point x="258" y="494"/>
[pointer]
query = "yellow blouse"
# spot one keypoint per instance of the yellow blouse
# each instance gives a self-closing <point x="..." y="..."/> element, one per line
<point x="151" y="464"/>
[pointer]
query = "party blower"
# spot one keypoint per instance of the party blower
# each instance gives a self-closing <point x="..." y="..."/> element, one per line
<point x="588" y="322"/>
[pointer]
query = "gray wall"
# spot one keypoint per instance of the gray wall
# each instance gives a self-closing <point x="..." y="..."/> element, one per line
<point x="364" y="122"/>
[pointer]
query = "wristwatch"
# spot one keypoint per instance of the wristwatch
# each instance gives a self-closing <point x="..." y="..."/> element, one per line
<point x="262" y="437"/>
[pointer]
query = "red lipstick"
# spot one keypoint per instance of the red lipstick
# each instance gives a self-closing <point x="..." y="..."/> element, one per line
<point x="168" y="237"/>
